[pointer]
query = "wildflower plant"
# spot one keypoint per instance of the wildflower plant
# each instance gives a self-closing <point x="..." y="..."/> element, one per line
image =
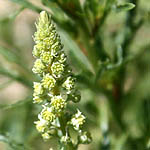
<point x="56" y="89"/>
<point x="107" y="46"/>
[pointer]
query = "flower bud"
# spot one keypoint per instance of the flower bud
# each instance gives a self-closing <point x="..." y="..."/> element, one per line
<point x="74" y="96"/>
<point x="65" y="139"/>
<point x="46" y="136"/>
<point x="85" y="138"/>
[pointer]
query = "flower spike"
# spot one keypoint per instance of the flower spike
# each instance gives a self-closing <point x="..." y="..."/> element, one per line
<point x="56" y="88"/>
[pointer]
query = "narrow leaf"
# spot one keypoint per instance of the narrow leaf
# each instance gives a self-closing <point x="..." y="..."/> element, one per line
<point x="58" y="13"/>
<point x="119" y="59"/>
<point x="81" y="61"/>
<point x="14" y="76"/>
<point x="9" y="55"/>
<point x="27" y="4"/>
<point x="13" y="144"/>
<point x="125" y="7"/>
<point x="17" y="104"/>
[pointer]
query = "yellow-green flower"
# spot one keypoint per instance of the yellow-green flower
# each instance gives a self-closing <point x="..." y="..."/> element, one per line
<point x="48" y="41"/>
<point x="36" y="52"/>
<point x="46" y="136"/>
<point x="46" y="57"/>
<point x="48" y="81"/>
<point x="41" y="125"/>
<point x="43" y="27"/>
<point x="47" y="114"/>
<point x="37" y="99"/>
<point x="58" y="103"/>
<point x="57" y="69"/>
<point x="38" y="89"/>
<point x="57" y="46"/>
<point x="62" y="57"/>
<point x="38" y="67"/>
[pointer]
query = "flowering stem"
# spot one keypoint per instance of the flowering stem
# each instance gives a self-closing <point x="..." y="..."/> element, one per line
<point x="56" y="88"/>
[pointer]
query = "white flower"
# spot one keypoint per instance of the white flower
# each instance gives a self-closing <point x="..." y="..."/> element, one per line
<point x="69" y="84"/>
<point x="78" y="120"/>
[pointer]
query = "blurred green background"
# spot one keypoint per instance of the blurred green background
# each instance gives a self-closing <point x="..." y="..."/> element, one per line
<point x="108" y="46"/>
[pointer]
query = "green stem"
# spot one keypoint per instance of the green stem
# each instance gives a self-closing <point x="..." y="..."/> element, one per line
<point x="63" y="131"/>
<point x="62" y="125"/>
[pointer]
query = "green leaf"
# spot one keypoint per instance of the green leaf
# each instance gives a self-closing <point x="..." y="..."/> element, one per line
<point x="107" y="65"/>
<point x="17" y="104"/>
<point x="13" y="144"/>
<point x="76" y="55"/>
<point x="119" y="59"/>
<point x="13" y="75"/>
<point x="58" y="13"/>
<point x="9" y="55"/>
<point x="125" y="7"/>
<point x="27" y="4"/>
<point x="12" y="56"/>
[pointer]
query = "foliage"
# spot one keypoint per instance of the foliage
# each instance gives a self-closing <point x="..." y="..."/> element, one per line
<point x="107" y="45"/>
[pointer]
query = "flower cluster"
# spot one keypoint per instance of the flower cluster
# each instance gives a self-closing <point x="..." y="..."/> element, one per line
<point x="57" y="85"/>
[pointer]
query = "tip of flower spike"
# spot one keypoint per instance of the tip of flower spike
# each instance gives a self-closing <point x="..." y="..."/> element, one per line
<point x="44" y="16"/>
